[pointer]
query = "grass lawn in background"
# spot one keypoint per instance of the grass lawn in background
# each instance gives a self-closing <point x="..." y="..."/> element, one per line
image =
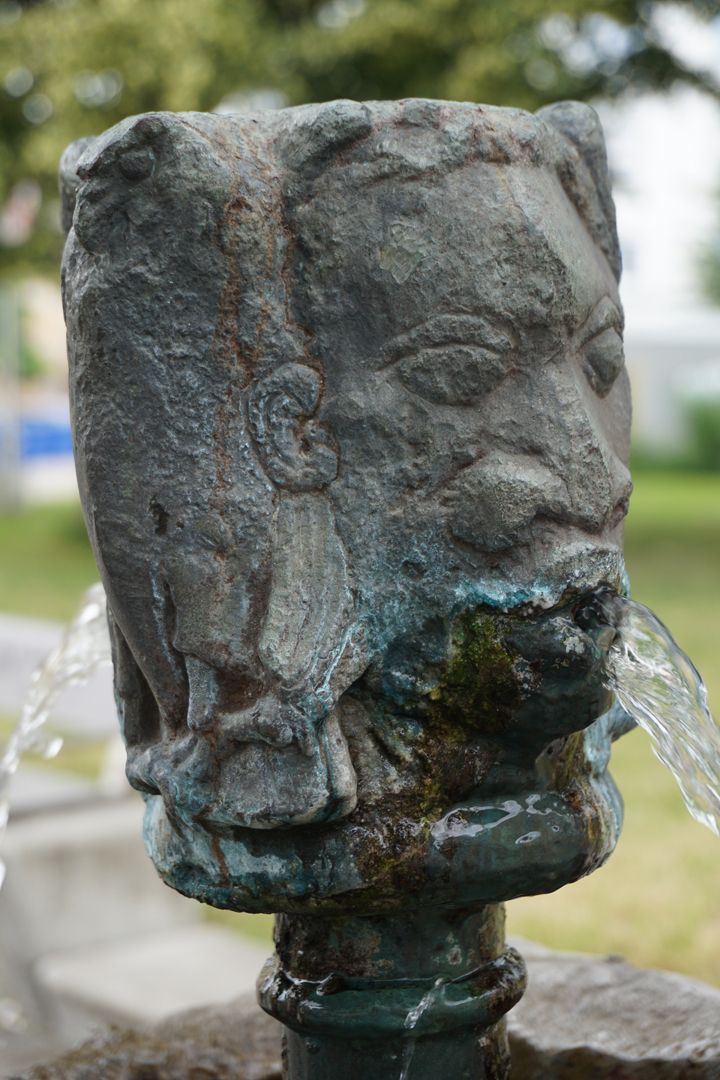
<point x="657" y="902"/>
<point x="46" y="562"/>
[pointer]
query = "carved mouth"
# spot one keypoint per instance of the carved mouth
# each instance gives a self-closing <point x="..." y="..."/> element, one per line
<point x="583" y="565"/>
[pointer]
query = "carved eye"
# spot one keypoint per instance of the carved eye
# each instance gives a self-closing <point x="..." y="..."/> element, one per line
<point x="137" y="164"/>
<point x="452" y="374"/>
<point x="603" y="359"/>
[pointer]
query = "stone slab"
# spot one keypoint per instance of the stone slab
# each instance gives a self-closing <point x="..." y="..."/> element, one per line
<point x="35" y="789"/>
<point x="586" y="1018"/>
<point x="232" y="1042"/>
<point x="182" y="968"/>
<point x="77" y="876"/>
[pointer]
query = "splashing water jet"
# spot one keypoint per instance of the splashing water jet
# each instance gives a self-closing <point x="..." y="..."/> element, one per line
<point x="85" y="646"/>
<point x="660" y="687"/>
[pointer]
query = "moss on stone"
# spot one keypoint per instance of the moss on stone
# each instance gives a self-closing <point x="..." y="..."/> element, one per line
<point x="479" y="685"/>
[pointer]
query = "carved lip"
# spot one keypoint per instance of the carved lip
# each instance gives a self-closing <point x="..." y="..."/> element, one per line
<point x="558" y="577"/>
<point x="532" y="842"/>
<point x="583" y="565"/>
<point x="570" y="571"/>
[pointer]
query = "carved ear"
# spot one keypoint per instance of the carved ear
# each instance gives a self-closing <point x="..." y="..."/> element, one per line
<point x="296" y="451"/>
<point x="127" y="146"/>
<point x="310" y="601"/>
<point x="581" y="126"/>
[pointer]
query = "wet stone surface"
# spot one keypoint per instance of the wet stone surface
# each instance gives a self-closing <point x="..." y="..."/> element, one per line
<point x="582" y="1018"/>
<point x="228" y="1042"/>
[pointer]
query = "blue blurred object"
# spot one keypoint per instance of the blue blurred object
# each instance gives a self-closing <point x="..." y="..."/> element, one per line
<point x="40" y="437"/>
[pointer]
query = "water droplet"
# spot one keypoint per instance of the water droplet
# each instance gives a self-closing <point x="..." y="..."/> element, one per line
<point x="37" y="109"/>
<point x="19" y="81"/>
<point x="52" y="747"/>
<point x="412" y="1020"/>
<point x="11" y="1016"/>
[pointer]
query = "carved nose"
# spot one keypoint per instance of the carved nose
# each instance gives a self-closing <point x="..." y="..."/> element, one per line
<point x="495" y="501"/>
<point x="572" y="442"/>
<point x="598" y="492"/>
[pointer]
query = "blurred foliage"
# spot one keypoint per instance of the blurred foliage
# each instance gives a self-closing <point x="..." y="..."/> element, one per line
<point x="46" y="562"/>
<point x="702" y="450"/>
<point x="74" y="67"/>
<point x="710" y="270"/>
<point x="704" y="423"/>
<point x="30" y="363"/>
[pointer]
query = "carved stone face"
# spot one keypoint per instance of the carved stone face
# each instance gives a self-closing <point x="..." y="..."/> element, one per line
<point x="470" y="334"/>
<point x="352" y="428"/>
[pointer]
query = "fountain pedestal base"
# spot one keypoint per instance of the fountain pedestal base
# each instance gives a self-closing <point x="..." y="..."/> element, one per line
<point x="413" y="996"/>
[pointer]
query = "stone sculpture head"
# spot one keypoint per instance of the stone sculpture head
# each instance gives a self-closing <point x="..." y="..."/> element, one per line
<point x="352" y="429"/>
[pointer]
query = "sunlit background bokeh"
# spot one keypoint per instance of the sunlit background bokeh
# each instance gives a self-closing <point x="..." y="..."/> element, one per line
<point x="74" y="67"/>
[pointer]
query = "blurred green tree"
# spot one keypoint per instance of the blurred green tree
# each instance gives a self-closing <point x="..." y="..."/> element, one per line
<point x="74" y="67"/>
<point x="709" y="265"/>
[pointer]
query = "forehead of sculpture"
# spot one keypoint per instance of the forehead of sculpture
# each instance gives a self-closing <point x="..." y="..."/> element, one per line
<point x="384" y="138"/>
<point x="501" y="242"/>
<point x="364" y="143"/>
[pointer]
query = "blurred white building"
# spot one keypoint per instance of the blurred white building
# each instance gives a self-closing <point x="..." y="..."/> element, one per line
<point x="665" y="157"/>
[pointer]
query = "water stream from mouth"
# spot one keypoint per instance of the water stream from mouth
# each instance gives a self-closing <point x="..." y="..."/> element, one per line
<point x="85" y="646"/>
<point x="660" y="687"/>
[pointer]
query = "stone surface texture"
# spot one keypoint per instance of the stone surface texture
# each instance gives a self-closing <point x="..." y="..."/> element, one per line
<point x="585" y="1018"/>
<point x="229" y="1042"/>
<point x="582" y="1018"/>
<point x="351" y="425"/>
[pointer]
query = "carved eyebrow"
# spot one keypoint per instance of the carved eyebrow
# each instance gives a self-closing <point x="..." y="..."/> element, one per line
<point x="447" y="330"/>
<point x="605" y="315"/>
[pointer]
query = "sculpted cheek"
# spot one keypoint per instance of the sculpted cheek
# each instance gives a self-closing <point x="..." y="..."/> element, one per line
<point x="391" y="440"/>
